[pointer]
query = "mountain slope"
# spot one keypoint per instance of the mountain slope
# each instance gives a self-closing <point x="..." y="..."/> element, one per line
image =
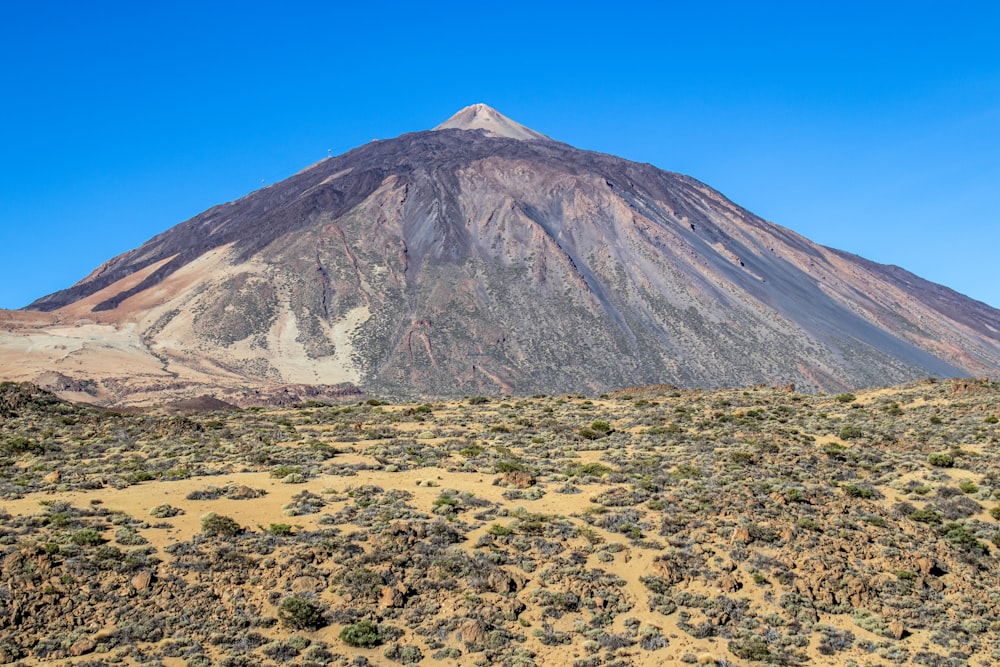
<point x="469" y="260"/>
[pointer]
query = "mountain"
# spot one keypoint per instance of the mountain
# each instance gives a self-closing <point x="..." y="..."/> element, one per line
<point x="492" y="122"/>
<point x="484" y="257"/>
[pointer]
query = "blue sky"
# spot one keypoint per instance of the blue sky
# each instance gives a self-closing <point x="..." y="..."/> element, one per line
<point x="873" y="129"/>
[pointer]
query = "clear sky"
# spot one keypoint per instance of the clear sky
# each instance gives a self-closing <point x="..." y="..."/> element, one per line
<point x="873" y="127"/>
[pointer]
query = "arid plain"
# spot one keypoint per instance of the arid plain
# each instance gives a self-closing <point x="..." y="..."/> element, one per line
<point x="644" y="527"/>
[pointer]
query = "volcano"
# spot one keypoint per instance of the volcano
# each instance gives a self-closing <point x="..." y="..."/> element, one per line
<point x="484" y="257"/>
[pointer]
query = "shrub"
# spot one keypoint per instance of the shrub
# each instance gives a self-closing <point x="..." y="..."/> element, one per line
<point x="806" y="523"/>
<point x="833" y="641"/>
<point x="962" y="537"/>
<point x="363" y="634"/>
<point x="750" y="648"/>
<point x="165" y="511"/>
<point x="870" y="621"/>
<point x="282" y="471"/>
<point x="282" y="529"/>
<point x="499" y="530"/>
<point x="15" y="445"/>
<point x="854" y="491"/>
<point x="299" y="613"/>
<point x="941" y="459"/>
<point x="795" y="495"/>
<point x="318" y="654"/>
<point x="207" y="493"/>
<point x="407" y="655"/>
<point x="279" y="651"/>
<point x="850" y="432"/>
<point x="836" y="451"/>
<point x="298" y="642"/>
<point x="445" y="499"/>
<point x="893" y="409"/>
<point x="685" y="471"/>
<point x="217" y="525"/>
<point x="361" y="583"/>
<point x="510" y="466"/>
<point x="592" y="469"/>
<point x="601" y="426"/>
<point x="471" y="451"/>
<point x="846" y="398"/>
<point x="926" y="515"/>
<point x="86" y="536"/>
<point x="129" y="537"/>
<point x="324" y="450"/>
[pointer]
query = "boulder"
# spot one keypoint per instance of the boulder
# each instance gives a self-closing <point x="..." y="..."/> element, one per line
<point x="82" y="647"/>
<point x="472" y="633"/>
<point x="141" y="580"/>
<point x="392" y="596"/>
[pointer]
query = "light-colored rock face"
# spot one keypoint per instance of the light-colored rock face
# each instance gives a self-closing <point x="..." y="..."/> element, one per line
<point x="459" y="263"/>
<point x="494" y="123"/>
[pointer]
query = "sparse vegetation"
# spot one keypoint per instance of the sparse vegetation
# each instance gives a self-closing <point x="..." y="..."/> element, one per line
<point x="433" y="534"/>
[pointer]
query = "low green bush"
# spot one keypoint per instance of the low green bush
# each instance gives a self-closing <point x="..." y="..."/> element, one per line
<point x="855" y="491"/>
<point x="850" y="432"/>
<point x="86" y="536"/>
<point x="282" y="529"/>
<point x="941" y="459"/>
<point x="363" y="634"/>
<point x="300" y="613"/>
<point x="217" y="525"/>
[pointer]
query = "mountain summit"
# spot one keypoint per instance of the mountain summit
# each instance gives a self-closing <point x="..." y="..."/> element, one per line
<point x="494" y="123"/>
<point x="460" y="262"/>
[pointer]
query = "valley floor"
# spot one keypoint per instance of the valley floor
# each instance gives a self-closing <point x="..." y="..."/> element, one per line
<point x="645" y="527"/>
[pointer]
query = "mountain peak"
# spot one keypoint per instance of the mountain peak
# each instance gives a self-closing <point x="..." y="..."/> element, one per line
<point x="483" y="117"/>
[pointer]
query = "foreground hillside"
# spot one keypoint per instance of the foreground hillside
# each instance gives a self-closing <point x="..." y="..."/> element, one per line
<point x="646" y="527"/>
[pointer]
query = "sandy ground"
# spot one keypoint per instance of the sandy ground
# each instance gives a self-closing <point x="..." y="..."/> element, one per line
<point x="425" y="484"/>
<point x="631" y="561"/>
